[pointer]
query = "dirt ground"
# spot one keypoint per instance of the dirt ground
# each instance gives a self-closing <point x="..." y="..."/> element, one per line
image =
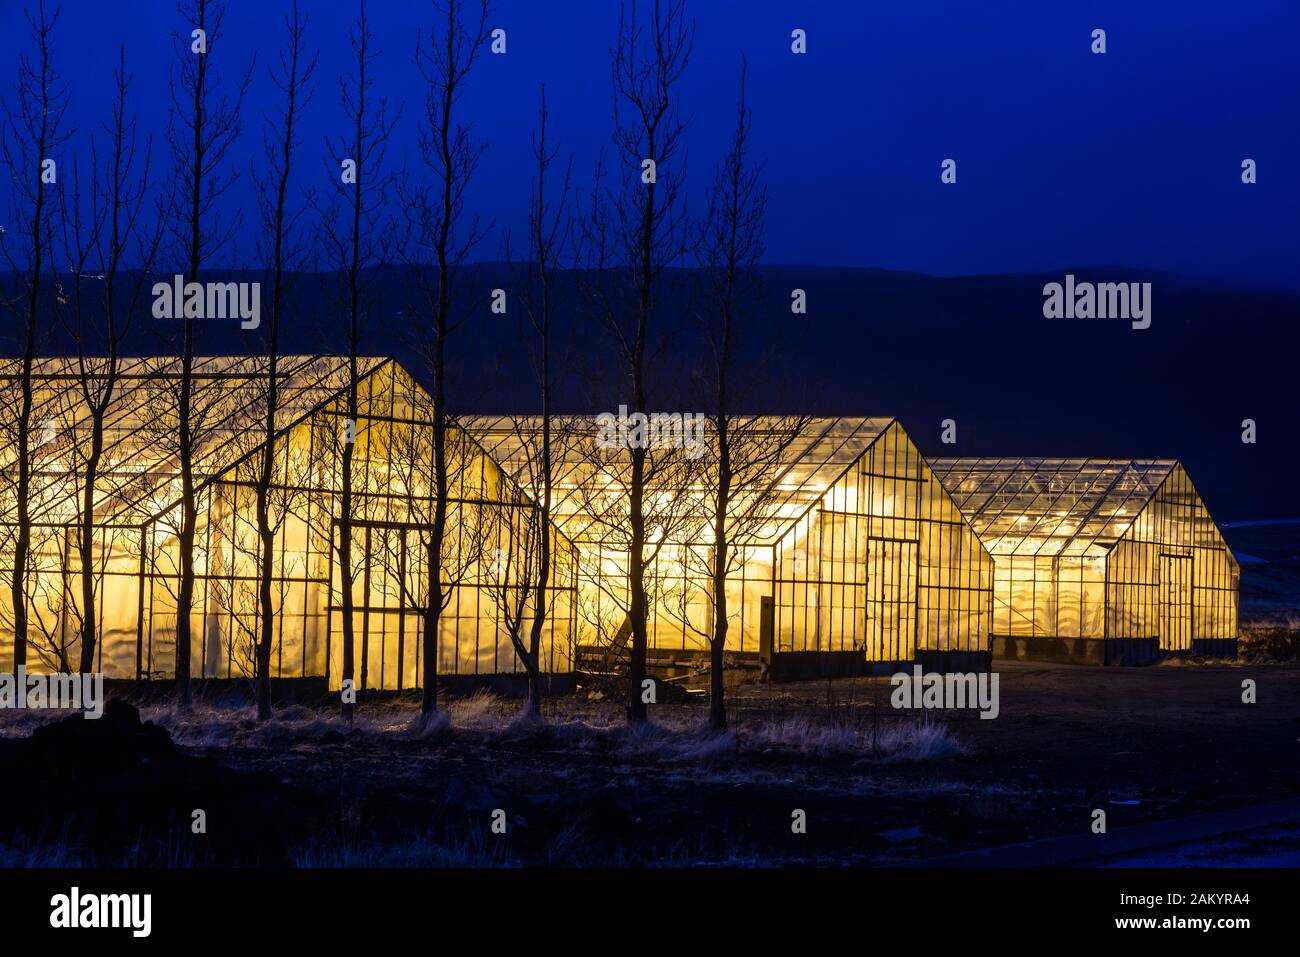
<point x="875" y="785"/>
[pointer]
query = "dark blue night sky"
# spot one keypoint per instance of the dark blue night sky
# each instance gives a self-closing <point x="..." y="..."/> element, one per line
<point x="1127" y="162"/>
<point x="1064" y="157"/>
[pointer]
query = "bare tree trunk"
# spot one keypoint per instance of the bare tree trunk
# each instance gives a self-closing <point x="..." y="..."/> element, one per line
<point x="291" y="84"/>
<point x="718" y="644"/>
<point x="448" y="153"/>
<point x="189" y="509"/>
<point x="35" y="130"/>
<point x="433" y="557"/>
<point x="86" y="543"/>
<point x="186" y="533"/>
<point x="211" y="127"/>
<point x="532" y="663"/>
<point x="649" y="59"/>
<point x="22" y="543"/>
<point x="99" y="378"/>
<point x="638" y="605"/>
<point x="189" y="512"/>
<point x="364" y="240"/>
<point x="546" y="233"/>
<point x="347" y="579"/>
<point x="429" y="678"/>
<point x="730" y="246"/>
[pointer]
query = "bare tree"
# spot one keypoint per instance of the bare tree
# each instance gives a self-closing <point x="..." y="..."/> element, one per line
<point x="32" y="136"/>
<point x="399" y="544"/>
<point x="52" y="631"/>
<point x="97" y="323"/>
<point x="358" y="234"/>
<point x="746" y="454"/>
<point x="204" y="125"/>
<point x="512" y="567"/>
<point x="437" y="214"/>
<point x="280" y="222"/>
<point x="635" y="229"/>
<point x="548" y="246"/>
<point x="598" y="487"/>
<point x="523" y="555"/>
<point x="731" y="245"/>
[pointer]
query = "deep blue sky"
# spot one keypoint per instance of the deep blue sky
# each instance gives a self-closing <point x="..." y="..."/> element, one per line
<point x="1064" y="157"/>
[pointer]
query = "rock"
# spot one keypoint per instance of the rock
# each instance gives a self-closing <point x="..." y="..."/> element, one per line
<point x="117" y="740"/>
<point x="122" y="791"/>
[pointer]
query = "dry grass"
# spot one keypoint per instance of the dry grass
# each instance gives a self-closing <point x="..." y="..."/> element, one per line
<point x="473" y="849"/>
<point x="921" y="740"/>
<point x="216" y="726"/>
<point x="656" y="742"/>
<point x="482" y="711"/>
<point x="916" y="741"/>
<point x="674" y="737"/>
<point x="429" y="727"/>
<point x="1271" y="639"/>
<point x="52" y="854"/>
<point x="21" y="722"/>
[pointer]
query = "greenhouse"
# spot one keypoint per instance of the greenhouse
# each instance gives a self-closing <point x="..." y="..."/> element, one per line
<point x="847" y="552"/>
<point x="136" y="511"/>
<point x="1098" y="560"/>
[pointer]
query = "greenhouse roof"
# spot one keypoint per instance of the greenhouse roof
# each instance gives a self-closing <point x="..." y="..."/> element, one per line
<point x="808" y="455"/>
<point x="1031" y="506"/>
<point x="139" y="471"/>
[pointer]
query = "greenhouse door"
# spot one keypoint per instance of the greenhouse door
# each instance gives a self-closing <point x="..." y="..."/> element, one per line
<point x="386" y="619"/>
<point x="1175" y="602"/>
<point x="891" y="600"/>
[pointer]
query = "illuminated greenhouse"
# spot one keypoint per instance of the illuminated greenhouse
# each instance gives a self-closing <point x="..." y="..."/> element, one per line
<point x="849" y="553"/>
<point x="137" y="511"/>
<point x="1098" y="560"/>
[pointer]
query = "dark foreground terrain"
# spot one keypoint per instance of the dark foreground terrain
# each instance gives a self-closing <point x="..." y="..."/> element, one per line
<point x="877" y="786"/>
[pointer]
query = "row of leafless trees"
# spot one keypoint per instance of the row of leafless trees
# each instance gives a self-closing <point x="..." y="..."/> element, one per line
<point x="620" y="240"/>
